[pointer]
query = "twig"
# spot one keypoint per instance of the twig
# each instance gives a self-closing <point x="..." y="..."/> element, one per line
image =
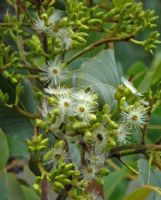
<point x="96" y="44"/>
<point x="145" y="129"/>
<point x="44" y="189"/>
<point x="133" y="149"/>
<point x="128" y="166"/>
<point x="23" y="112"/>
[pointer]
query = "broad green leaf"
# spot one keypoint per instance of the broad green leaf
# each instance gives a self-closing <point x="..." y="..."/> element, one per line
<point x="100" y="73"/>
<point x="13" y="123"/>
<point x="29" y="193"/>
<point x="138" y="71"/>
<point x="152" y="75"/>
<point x="16" y="126"/>
<point x="4" y="150"/>
<point x="17" y="147"/>
<point x="9" y="187"/>
<point x="143" y="171"/>
<point x="155" y="180"/>
<point x="143" y="192"/>
<point x="112" y="181"/>
<point x="149" y="176"/>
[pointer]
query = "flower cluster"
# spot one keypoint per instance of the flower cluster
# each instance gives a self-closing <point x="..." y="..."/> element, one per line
<point x="50" y="25"/>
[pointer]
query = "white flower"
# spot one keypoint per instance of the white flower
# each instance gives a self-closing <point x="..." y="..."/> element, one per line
<point x="101" y="136"/>
<point x="58" y="91"/>
<point x="122" y="133"/>
<point x="45" y="109"/>
<point x="94" y="195"/>
<point x="89" y="172"/>
<point x="130" y="86"/>
<point x="39" y="25"/>
<point x="84" y="96"/>
<point x="83" y="111"/>
<point x="56" y="155"/>
<point x="55" y="73"/>
<point x="97" y="156"/>
<point x="65" y="104"/>
<point x="55" y="17"/>
<point x="84" y="106"/>
<point x="135" y="117"/>
<point x="65" y="36"/>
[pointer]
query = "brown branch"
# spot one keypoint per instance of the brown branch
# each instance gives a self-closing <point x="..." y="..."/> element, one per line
<point x="25" y="113"/>
<point x="145" y="129"/>
<point x="96" y="44"/>
<point x="44" y="189"/>
<point x="133" y="149"/>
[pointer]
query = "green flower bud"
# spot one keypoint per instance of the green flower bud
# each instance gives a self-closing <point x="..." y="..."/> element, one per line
<point x="95" y="21"/>
<point x="112" y="124"/>
<point x="80" y="39"/>
<point x="104" y="171"/>
<point x="92" y="118"/>
<point x="36" y="187"/>
<point x="96" y="125"/>
<point x="44" y="17"/>
<point x="68" y="166"/>
<point x="41" y="147"/>
<point x="39" y="138"/>
<point x="40" y="123"/>
<point x="51" y="100"/>
<point x="30" y="148"/>
<point x="58" y="185"/>
<point x="111" y="142"/>
<point x="122" y="101"/>
<point x="66" y="181"/>
<point x="61" y="176"/>
<point x="87" y="136"/>
<point x="56" y="112"/>
<point x="47" y="156"/>
<point x="70" y="172"/>
<point x="60" y="144"/>
<point x="55" y="173"/>
<point x="83" y="27"/>
<point x="61" y="166"/>
<point x="13" y="80"/>
<point x="76" y="44"/>
<point x="45" y="141"/>
<point x="79" y="125"/>
<point x="82" y="34"/>
<point x="3" y="97"/>
<point x="106" y="109"/>
<point x="19" y="90"/>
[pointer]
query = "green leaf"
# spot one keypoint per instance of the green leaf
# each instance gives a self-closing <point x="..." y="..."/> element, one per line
<point x="138" y="71"/>
<point x="29" y="193"/>
<point x="17" y="147"/>
<point x="4" y="150"/>
<point x="153" y="74"/>
<point x="9" y="187"/>
<point x="13" y="123"/>
<point x="112" y="181"/>
<point x="143" y="171"/>
<point x="143" y="192"/>
<point x="101" y="74"/>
